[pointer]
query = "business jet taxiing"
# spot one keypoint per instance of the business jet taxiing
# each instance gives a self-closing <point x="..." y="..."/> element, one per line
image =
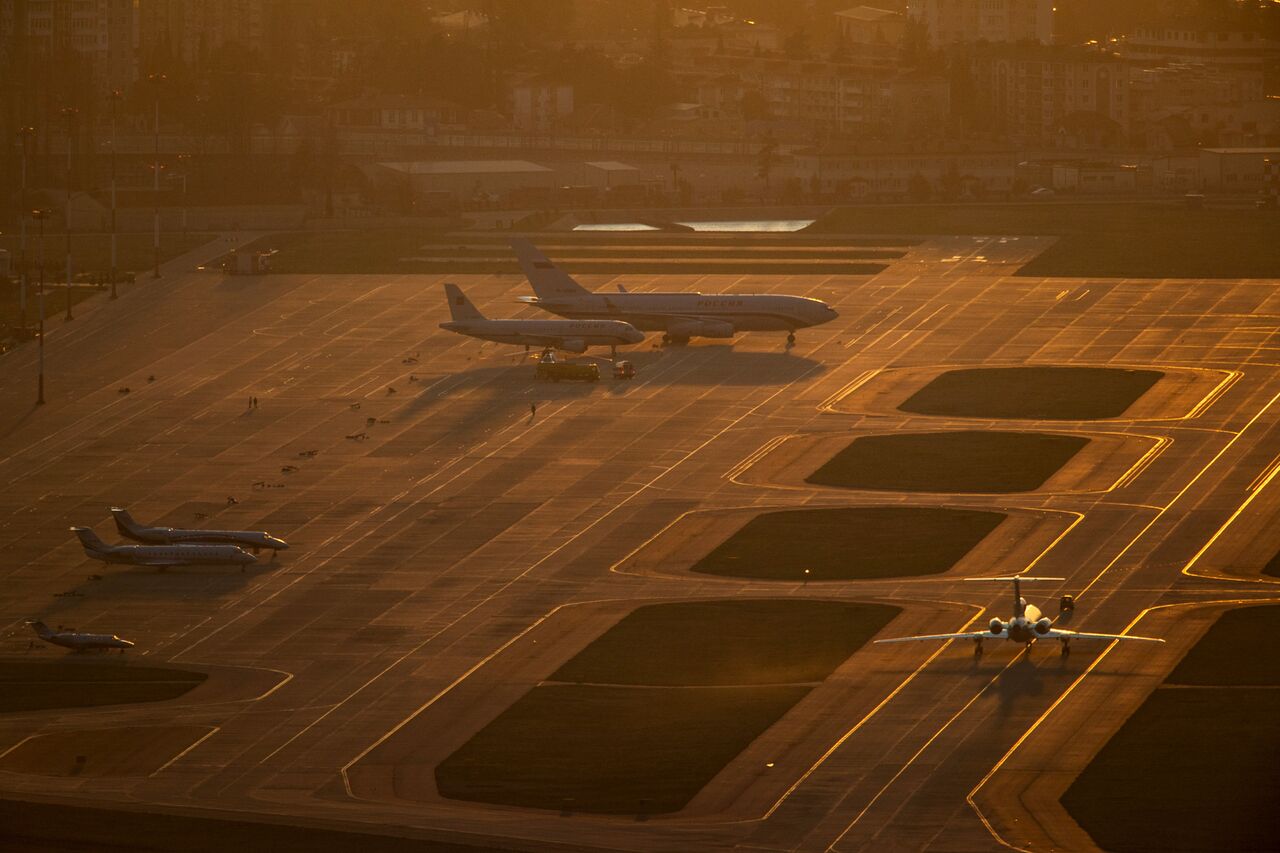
<point x="78" y="641"/>
<point x="254" y="540"/>
<point x="679" y="316"/>
<point x="1026" y="626"/>
<point x="568" y="335"/>
<point x="162" y="556"/>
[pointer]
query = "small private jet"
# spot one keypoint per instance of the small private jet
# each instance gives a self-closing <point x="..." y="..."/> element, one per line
<point x="162" y="556"/>
<point x="78" y="641"/>
<point x="567" y="335"/>
<point x="251" y="539"/>
<point x="1027" y="625"/>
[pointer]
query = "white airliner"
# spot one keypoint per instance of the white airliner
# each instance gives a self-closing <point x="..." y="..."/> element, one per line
<point x="568" y="335"/>
<point x="161" y="555"/>
<point x="255" y="540"/>
<point x="1026" y="626"/>
<point x="679" y="316"/>
<point x="77" y="640"/>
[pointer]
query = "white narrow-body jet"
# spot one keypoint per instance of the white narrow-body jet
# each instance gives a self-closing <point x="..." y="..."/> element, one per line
<point x="1027" y="625"/>
<point x="678" y="315"/>
<point x="78" y="641"/>
<point x="162" y="556"/>
<point x="252" y="539"/>
<point x="567" y="335"/>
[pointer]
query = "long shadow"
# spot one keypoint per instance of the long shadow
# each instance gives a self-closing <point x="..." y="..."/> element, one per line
<point x="16" y="425"/>
<point x="143" y="583"/>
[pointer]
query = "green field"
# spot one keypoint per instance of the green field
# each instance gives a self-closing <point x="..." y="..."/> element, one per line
<point x="661" y="702"/>
<point x="46" y="827"/>
<point x="1132" y="240"/>
<point x="752" y="641"/>
<point x="962" y="461"/>
<point x="1195" y="767"/>
<point x="91" y="252"/>
<point x="1241" y="649"/>
<point x="606" y="749"/>
<point x="36" y="686"/>
<point x="849" y="543"/>
<point x="1033" y="393"/>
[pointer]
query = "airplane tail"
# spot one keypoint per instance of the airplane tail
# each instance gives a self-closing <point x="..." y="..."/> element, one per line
<point x="460" y="307"/>
<point x="90" y="541"/>
<point x="125" y="523"/>
<point x="550" y="283"/>
<point x="41" y="629"/>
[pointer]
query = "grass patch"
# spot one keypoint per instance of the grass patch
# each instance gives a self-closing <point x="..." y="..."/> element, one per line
<point x="1272" y="568"/>
<point x="1241" y="649"/>
<point x="416" y="250"/>
<point x="1033" y="393"/>
<point x="92" y="252"/>
<point x="79" y="829"/>
<point x="1138" y="240"/>
<point x="605" y="749"/>
<point x="666" y="698"/>
<point x="728" y="642"/>
<point x="994" y="462"/>
<point x="30" y="686"/>
<point x="850" y="543"/>
<point x="1194" y="767"/>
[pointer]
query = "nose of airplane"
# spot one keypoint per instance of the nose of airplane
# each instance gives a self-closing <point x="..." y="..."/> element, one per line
<point x="635" y="336"/>
<point x="829" y="313"/>
<point x="247" y="559"/>
<point x="278" y="544"/>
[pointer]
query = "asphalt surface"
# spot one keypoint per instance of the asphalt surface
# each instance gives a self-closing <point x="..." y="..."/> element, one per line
<point x="457" y="549"/>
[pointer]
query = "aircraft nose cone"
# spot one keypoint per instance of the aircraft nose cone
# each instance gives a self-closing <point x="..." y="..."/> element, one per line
<point x="247" y="558"/>
<point x="830" y="312"/>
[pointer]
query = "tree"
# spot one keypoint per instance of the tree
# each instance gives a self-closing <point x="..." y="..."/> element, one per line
<point x="765" y="160"/>
<point x="918" y="187"/>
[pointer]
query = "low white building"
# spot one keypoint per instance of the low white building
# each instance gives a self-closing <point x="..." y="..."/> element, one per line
<point x="1241" y="170"/>
<point x="853" y="175"/>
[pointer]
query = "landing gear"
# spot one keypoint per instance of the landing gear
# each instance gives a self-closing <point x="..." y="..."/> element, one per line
<point x="666" y="339"/>
<point x="791" y="338"/>
<point x="1066" y="646"/>
<point x="977" y="647"/>
<point x="613" y="352"/>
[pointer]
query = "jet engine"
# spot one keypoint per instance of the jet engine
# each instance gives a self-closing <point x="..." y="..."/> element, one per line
<point x="681" y="329"/>
<point x="996" y="626"/>
<point x="573" y="345"/>
<point x="1044" y="626"/>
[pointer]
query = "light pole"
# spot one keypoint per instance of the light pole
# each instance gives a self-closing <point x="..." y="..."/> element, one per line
<point x="40" y="216"/>
<point x="156" y="79"/>
<point x="70" y="113"/>
<point x="114" y="98"/>
<point x="24" y="134"/>
<point x="184" y="162"/>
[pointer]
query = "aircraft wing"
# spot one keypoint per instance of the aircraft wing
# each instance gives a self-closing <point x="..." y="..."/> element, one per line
<point x="1059" y="634"/>
<point x="159" y="561"/>
<point x="967" y="635"/>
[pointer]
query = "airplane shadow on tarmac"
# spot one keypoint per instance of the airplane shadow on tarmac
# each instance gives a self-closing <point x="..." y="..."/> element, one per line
<point x="712" y="364"/>
<point x="132" y="583"/>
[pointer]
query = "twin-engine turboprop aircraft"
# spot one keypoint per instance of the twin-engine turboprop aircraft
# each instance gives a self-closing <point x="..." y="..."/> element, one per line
<point x="1026" y="626"/>
<point x="567" y="335"/>
<point x="678" y="315"/>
